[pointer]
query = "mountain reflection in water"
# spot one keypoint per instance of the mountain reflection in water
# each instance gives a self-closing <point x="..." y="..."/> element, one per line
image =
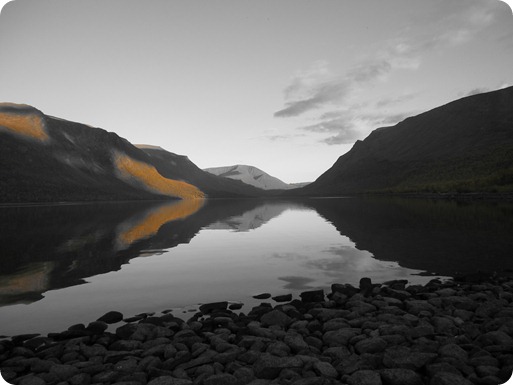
<point x="148" y="224"/>
<point x="242" y="247"/>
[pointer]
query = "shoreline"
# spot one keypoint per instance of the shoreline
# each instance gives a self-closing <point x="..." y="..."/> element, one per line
<point x="459" y="331"/>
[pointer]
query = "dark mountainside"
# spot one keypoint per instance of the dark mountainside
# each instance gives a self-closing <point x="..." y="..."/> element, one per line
<point x="463" y="146"/>
<point x="46" y="159"/>
<point x="179" y="167"/>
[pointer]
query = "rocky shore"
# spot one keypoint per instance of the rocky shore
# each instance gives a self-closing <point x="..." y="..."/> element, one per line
<point x="443" y="333"/>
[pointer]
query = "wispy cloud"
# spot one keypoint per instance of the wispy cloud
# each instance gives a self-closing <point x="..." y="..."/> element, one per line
<point x="390" y="101"/>
<point x="318" y="89"/>
<point x="322" y="94"/>
<point x="346" y="124"/>
<point x="343" y="126"/>
<point x="337" y="98"/>
<point x="476" y="91"/>
<point x="275" y="138"/>
<point x="369" y="71"/>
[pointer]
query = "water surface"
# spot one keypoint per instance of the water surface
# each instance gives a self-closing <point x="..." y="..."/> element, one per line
<point x="65" y="264"/>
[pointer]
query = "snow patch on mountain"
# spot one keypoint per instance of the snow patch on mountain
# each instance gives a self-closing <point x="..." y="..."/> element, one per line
<point x="250" y="175"/>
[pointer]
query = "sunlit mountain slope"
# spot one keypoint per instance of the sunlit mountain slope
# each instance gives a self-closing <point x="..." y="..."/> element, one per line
<point x="23" y="120"/>
<point x="47" y="159"/>
<point x="179" y="167"/>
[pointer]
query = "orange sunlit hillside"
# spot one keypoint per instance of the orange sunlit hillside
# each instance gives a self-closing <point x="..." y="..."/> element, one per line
<point x="146" y="174"/>
<point x="26" y="124"/>
<point x="154" y="219"/>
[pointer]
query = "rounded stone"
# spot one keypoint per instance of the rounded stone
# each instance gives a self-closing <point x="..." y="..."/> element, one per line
<point x="365" y="377"/>
<point x="111" y="317"/>
<point x="400" y="377"/>
<point x="32" y="380"/>
<point x="371" y="345"/>
<point x="445" y="378"/>
<point x="275" y="317"/>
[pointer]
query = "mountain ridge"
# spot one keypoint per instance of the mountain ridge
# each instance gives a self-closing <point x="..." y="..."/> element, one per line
<point x="47" y="159"/>
<point x="463" y="146"/>
<point x="250" y="175"/>
<point x="180" y="167"/>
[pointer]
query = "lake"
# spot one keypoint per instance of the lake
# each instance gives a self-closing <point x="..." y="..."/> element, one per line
<point x="67" y="264"/>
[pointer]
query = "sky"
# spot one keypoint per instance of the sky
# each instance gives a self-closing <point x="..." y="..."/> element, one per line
<point x="287" y="86"/>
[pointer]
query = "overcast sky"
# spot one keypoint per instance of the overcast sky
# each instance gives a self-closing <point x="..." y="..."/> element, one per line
<point x="284" y="85"/>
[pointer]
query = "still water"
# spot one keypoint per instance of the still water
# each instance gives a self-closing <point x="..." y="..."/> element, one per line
<point x="66" y="264"/>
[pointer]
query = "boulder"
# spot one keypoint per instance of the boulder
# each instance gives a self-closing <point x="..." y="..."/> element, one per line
<point x="275" y="317"/>
<point x="262" y="296"/>
<point x="213" y="306"/>
<point x="364" y="377"/>
<point x="446" y="378"/>
<point x="221" y="379"/>
<point x="111" y="317"/>
<point x="325" y="369"/>
<point x="402" y="357"/>
<point x="169" y="380"/>
<point x="269" y="367"/>
<point x="340" y="337"/>
<point x="400" y="377"/>
<point x="283" y="298"/>
<point x="312" y="296"/>
<point x="296" y="342"/>
<point x="345" y="289"/>
<point x="371" y="345"/>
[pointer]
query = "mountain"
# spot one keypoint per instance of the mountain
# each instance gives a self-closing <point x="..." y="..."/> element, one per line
<point x="179" y="167"/>
<point x="251" y="176"/>
<point x="299" y="184"/>
<point x="47" y="159"/>
<point x="463" y="146"/>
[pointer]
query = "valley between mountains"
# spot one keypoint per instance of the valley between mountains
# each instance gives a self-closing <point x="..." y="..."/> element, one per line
<point x="462" y="147"/>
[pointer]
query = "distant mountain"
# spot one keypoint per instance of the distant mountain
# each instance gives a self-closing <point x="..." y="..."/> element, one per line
<point x="463" y="146"/>
<point x="47" y="159"/>
<point x="299" y="184"/>
<point x="179" y="167"/>
<point x="251" y="176"/>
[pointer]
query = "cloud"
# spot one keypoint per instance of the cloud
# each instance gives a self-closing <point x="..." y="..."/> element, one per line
<point x="346" y="128"/>
<point x="460" y="25"/>
<point x="332" y="96"/>
<point x="323" y="94"/>
<point x="275" y="138"/>
<point x="343" y="126"/>
<point x="367" y="72"/>
<point x="355" y="125"/>
<point x="476" y="91"/>
<point x="390" y="101"/>
<point x="337" y="139"/>
<point x="384" y="119"/>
